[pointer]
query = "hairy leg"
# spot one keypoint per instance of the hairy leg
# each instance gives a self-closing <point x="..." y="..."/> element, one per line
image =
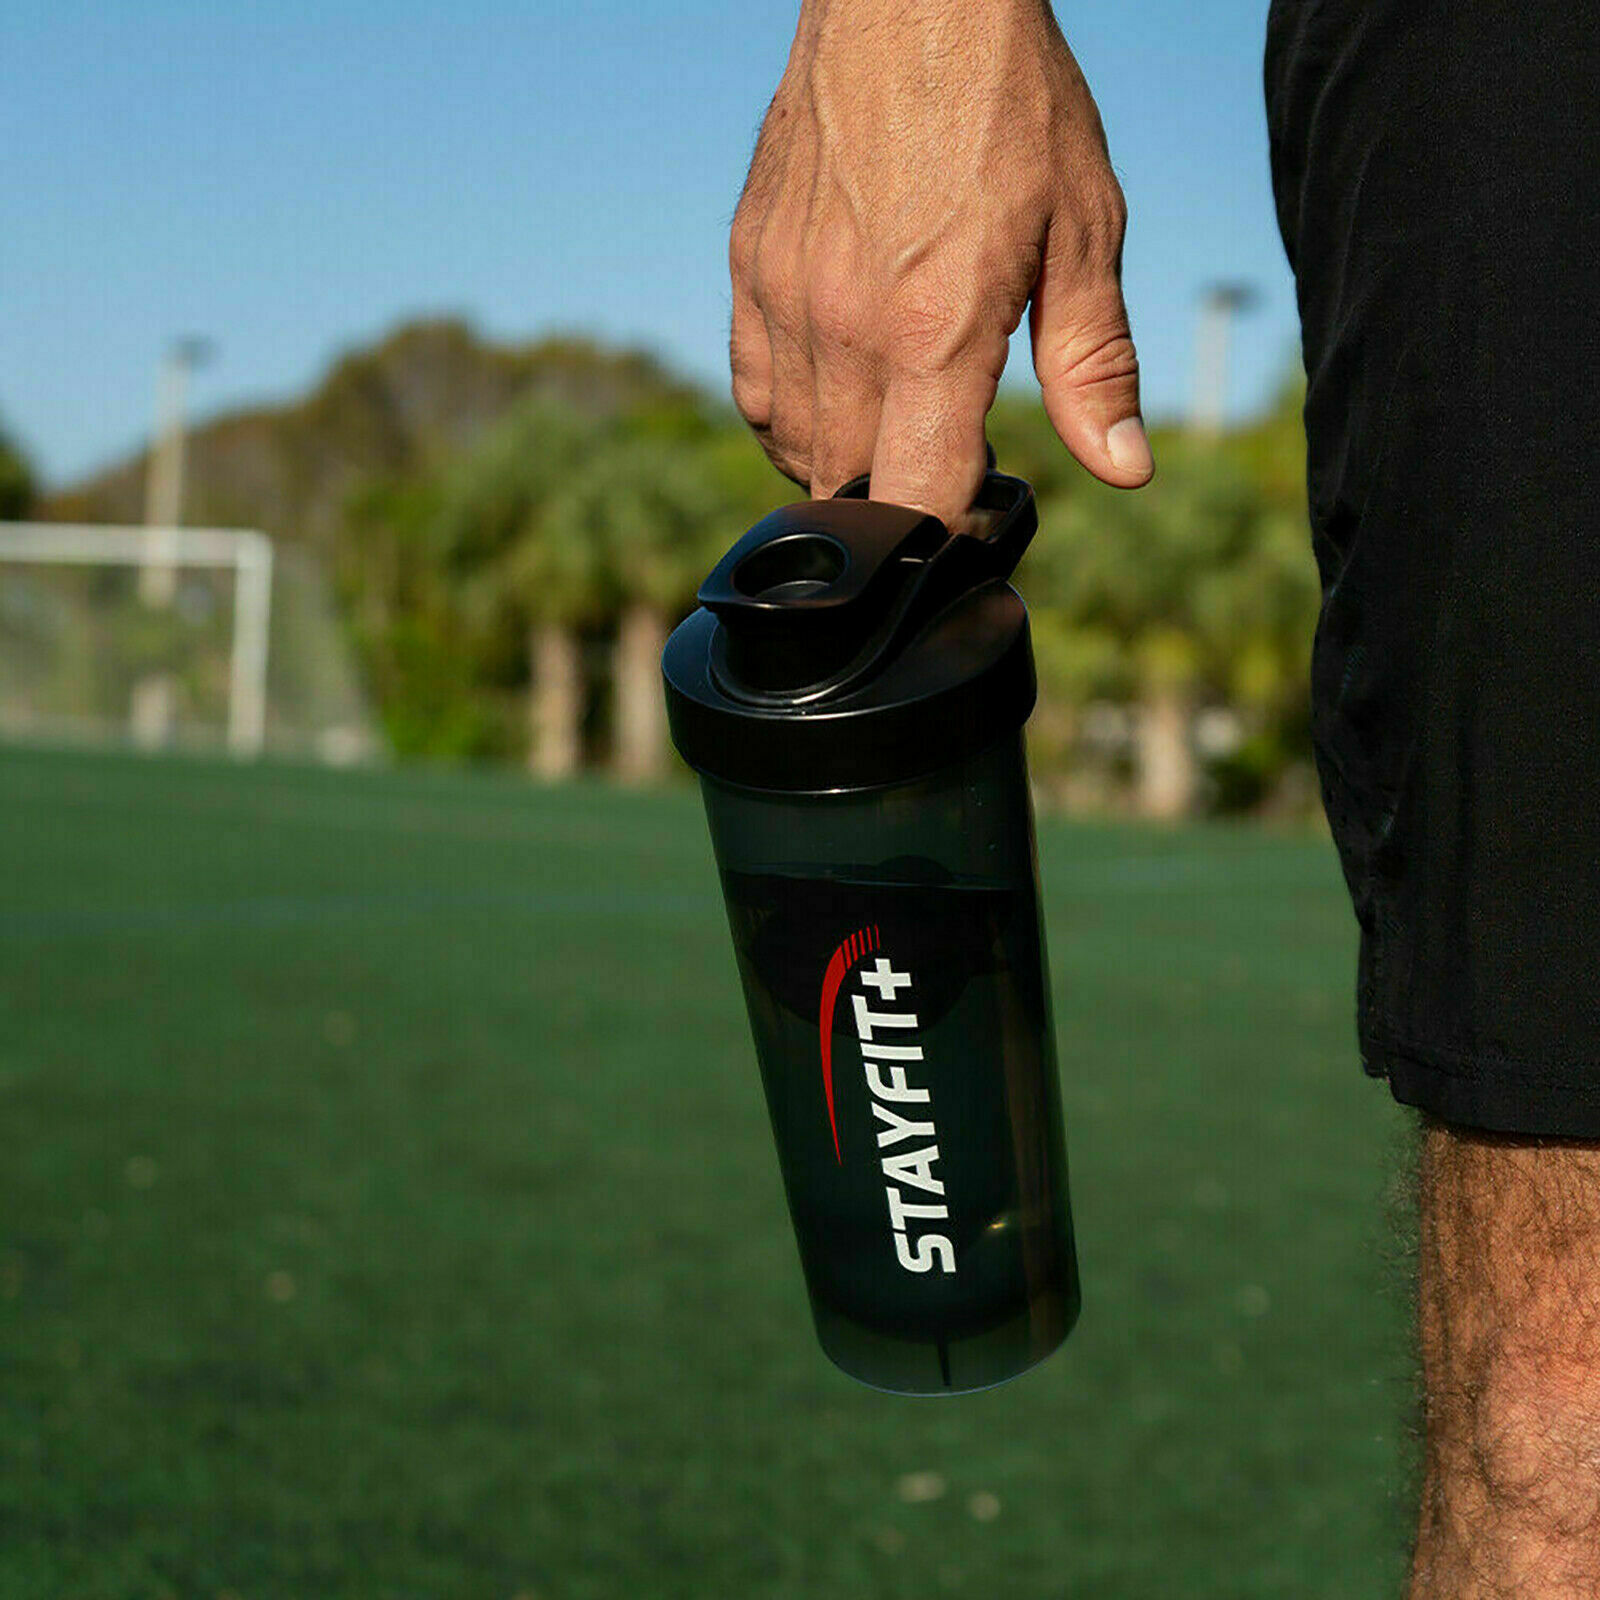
<point x="1510" y="1325"/>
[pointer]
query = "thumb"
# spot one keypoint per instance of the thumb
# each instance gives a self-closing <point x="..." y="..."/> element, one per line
<point x="1088" y="370"/>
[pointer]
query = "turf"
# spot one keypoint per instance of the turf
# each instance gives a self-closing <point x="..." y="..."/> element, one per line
<point x="387" y="1209"/>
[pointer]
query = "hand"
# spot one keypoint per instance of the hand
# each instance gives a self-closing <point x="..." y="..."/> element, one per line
<point x="926" y="169"/>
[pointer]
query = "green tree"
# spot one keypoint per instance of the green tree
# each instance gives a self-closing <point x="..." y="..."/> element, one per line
<point x="491" y="573"/>
<point x="505" y="541"/>
<point x="1271" y="450"/>
<point x="1194" y="591"/>
<point x="404" y="615"/>
<point x="1027" y="446"/>
<point x="16" y="479"/>
<point x="660" y="499"/>
<point x="481" y="581"/>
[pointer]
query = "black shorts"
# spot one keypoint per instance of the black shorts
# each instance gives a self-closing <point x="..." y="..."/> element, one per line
<point x="1436" y="165"/>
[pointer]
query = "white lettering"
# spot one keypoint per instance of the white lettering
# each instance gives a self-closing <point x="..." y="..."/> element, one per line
<point x="898" y="1127"/>
<point x="916" y="1168"/>
<point x="867" y="1020"/>
<point x="900" y="1209"/>
<point x="918" y="1256"/>
<point x="885" y="980"/>
<point x="896" y="1088"/>
<point x="903" y="1170"/>
<point x="891" y="1052"/>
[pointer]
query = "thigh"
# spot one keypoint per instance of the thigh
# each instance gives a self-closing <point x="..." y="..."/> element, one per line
<point x="1437" y="174"/>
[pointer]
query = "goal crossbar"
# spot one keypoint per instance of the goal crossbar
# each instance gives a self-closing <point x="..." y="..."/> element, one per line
<point x="248" y="552"/>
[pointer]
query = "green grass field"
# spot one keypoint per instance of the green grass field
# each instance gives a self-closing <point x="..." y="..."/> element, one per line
<point x="388" y="1209"/>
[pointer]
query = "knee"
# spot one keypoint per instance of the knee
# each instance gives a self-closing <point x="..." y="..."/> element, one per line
<point x="1531" y="1437"/>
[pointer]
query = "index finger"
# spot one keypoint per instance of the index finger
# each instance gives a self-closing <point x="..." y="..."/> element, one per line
<point x="930" y="451"/>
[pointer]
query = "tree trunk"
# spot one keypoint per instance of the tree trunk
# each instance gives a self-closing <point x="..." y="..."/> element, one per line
<point x="557" y="702"/>
<point x="641" y="711"/>
<point x="1167" y="774"/>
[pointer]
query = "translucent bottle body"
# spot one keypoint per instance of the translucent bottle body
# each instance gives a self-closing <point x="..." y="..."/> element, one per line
<point x="892" y="955"/>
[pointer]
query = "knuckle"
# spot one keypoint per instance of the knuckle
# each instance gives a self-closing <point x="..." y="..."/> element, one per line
<point x="1010" y="263"/>
<point x="776" y="286"/>
<point x="752" y="397"/>
<point x="1106" y="221"/>
<point x="1114" y="212"/>
<point x="936" y="343"/>
<point x="787" y="434"/>
<point x="1094" y="229"/>
<point x="743" y="238"/>
<point x="838" y="455"/>
<point x="927" y="329"/>
<point x="836" y="300"/>
<point x="775" y="451"/>
<point x="789" y="462"/>
<point x="829" y="473"/>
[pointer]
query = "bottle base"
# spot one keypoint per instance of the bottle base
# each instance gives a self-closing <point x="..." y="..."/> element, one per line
<point x="926" y="1368"/>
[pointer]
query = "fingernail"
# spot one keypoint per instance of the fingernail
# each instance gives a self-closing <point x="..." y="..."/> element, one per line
<point x="1128" y="447"/>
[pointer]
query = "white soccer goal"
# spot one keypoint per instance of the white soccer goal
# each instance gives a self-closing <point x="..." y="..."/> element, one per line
<point x="167" y="638"/>
<point x="161" y="553"/>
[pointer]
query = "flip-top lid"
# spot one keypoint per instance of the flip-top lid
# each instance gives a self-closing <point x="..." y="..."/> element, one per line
<point x="847" y="643"/>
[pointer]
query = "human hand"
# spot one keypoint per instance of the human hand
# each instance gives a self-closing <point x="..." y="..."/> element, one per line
<point x="927" y="169"/>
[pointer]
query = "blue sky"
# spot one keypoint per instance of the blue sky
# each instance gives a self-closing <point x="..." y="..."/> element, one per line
<point x="291" y="179"/>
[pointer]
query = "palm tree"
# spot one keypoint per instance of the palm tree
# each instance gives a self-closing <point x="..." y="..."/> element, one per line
<point x="662" y="498"/>
<point x="1194" y="589"/>
<point x="561" y="580"/>
<point x="504" y="530"/>
<point x="556" y="525"/>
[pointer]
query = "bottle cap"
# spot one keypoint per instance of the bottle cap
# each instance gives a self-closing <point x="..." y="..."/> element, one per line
<point x="847" y="643"/>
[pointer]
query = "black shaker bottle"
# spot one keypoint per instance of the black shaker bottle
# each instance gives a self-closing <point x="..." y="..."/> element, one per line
<point x="852" y="693"/>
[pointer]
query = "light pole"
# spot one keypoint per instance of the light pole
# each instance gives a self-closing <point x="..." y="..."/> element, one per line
<point x="1218" y="304"/>
<point x="163" y="499"/>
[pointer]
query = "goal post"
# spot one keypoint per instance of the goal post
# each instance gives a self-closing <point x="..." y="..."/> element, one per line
<point x="247" y="553"/>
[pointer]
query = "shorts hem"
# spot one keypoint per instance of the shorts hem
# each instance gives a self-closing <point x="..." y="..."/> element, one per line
<point x="1484" y="1092"/>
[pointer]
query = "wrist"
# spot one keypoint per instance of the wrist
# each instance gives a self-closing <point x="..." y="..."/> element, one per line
<point x="900" y="18"/>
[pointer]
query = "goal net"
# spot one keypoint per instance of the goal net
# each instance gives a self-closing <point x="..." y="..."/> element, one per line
<point x="183" y="638"/>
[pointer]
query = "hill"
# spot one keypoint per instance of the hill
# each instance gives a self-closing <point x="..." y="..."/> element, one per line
<point x="425" y="392"/>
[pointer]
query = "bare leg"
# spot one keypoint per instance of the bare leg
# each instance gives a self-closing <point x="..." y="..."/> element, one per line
<point x="1510" y="1327"/>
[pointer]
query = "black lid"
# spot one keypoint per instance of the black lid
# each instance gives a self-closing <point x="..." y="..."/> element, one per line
<point x="846" y="643"/>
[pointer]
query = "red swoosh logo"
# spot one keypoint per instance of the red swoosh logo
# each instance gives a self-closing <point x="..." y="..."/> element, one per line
<point x="842" y="960"/>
